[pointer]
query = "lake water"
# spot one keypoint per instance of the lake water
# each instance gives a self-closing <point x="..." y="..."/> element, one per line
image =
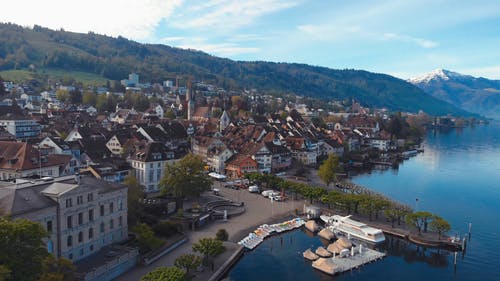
<point x="457" y="177"/>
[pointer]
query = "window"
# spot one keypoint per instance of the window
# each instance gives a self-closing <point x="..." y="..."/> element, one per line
<point x="91" y="214"/>
<point x="69" y="222"/>
<point x="70" y="241"/>
<point x="102" y="227"/>
<point x="80" y="237"/>
<point x="68" y="203"/>
<point x="70" y="256"/>
<point x="79" y="200"/>
<point x="120" y="221"/>
<point x="91" y="233"/>
<point x="111" y="224"/>
<point x="151" y="165"/>
<point x="120" y="204"/>
<point x="151" y="176"/>
<point x="111" y="207"/>
<point x="102" y="210"/>
<point x="90" y="197"/>
<point x="49" y="226"/>
<point x="91" y="248"/>
<point x="80" y="218"/>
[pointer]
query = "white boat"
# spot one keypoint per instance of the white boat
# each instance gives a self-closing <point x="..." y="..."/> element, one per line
<point x="356" y="229"/>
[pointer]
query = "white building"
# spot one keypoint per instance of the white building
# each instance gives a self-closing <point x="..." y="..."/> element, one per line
<point x="22" y="128"/>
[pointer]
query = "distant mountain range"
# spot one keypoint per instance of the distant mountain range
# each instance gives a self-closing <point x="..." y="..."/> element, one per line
<point x="479" y="95"/>
<point x="114" y="58"/>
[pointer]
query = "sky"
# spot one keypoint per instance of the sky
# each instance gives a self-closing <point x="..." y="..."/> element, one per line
<point x="401" y="38"/>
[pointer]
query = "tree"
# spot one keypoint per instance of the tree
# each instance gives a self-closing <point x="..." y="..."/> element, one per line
<point x="419" y="220"/>
<point x="75" y="96"/>
<point x="22" y="249"/>
<point x="165" y="274"/>
<point x="146" y="237"/>
<point x="312" y="192"/>
<point x="89" y="98"/>
<point x="62" y="95"/>
<point x="209" y="248"/>
<point x="57" y="269"/>
<point x="187" y="262"/>
<point x="439" y="225"/>
<point x="4" y="273"/>
<point x="328" y="170"/>
<point x="221" y="235"/>
<point x="185" y="178"/>
<point x="134" y="197"/>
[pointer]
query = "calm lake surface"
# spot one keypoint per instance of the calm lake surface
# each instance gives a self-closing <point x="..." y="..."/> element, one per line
<point x="457" y="177"/>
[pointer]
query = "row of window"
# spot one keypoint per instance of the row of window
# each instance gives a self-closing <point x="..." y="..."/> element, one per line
<point x="69" y="219"/>
<point x="69" y="241"/>
<point x="79" y="200"/>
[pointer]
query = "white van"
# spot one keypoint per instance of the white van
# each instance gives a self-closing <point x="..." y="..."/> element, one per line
<point x="253" y="189"/>
<point x="266" y="193"/>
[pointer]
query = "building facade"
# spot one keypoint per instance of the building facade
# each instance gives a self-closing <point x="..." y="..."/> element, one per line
<point x="81" y="215"/>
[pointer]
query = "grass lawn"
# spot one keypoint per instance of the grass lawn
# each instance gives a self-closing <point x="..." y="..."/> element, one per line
<point x="86" y="78"/>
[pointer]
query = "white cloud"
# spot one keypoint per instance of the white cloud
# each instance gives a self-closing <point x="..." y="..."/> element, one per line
<point x="406" y="38"/>
<point x="230" y="14"/>
<point x="130" y="18"/>
<point x="490" y="72"/>
<point x="226" y="49"/>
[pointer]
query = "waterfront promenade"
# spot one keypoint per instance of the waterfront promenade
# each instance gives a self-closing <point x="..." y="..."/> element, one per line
<point x="259" y="210"/>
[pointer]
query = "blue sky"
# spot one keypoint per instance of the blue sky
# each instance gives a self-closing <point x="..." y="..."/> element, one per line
<point x="403" y="38"/>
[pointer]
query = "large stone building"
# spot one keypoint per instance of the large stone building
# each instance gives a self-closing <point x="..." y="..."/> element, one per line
<point x="81" y="214"/>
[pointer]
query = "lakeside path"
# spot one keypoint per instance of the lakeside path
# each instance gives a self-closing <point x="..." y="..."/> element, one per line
<point x="259" y="210"/>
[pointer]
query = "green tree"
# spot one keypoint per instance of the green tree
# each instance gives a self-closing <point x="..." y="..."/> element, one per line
<point x="222" y="235"/>
<point x="146" y="237"/>
<point x="185" y="178"/>
<point x="22" y="249"/>
<point x="89" y="98"/>
<point x="328" y="170"/>
<point x="439" y="225"/>
<point x="312" y="192"/>
<point x="187" y="262"/>
<point x="209" y="248"/>
<point x="165" y="274"/>
<point x="62" y="95"/>
<point x="57" y="269"/>
<point x="75" y="96"/>
<point x="135" y="194"/>
<point x="419" y="220"/>
<point x="4" y="273"/>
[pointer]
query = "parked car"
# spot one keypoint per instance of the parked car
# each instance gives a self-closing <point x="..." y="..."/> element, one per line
<point x="278" y="198"/>
<point x="253" y="189"/>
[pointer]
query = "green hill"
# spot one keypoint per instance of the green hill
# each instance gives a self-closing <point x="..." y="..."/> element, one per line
<point x="113" y="58"/>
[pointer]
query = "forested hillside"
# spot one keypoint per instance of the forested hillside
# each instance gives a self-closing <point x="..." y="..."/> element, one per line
<point x="113" y="58"/>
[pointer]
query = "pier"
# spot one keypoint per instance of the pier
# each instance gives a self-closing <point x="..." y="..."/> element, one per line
<point x="357" y="257"/>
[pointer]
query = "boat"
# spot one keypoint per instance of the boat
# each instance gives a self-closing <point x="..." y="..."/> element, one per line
<point x="356" y="229"/>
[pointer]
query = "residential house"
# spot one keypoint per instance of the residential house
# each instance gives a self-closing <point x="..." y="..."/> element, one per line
<point x="148" y="163"/>
<point x="23" y="160"/>
<point x="238" y="165"/>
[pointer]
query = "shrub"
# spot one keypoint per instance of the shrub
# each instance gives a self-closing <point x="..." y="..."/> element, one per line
<point x="166" y="228"/>
<point x="222" y="235"/>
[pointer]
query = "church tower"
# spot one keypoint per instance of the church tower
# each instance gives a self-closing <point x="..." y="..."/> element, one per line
<point x="190" y="101"/>
<point x="224" y="121"/>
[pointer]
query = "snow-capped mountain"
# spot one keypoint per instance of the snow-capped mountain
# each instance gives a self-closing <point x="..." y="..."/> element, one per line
<point x="438" y="74"/>
<point x="478" y="95"/>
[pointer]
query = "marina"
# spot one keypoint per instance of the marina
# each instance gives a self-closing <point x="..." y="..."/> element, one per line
<point x="257" y="236"/>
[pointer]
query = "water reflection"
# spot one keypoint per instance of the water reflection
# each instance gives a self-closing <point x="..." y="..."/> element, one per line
<point x="412" y="253"/>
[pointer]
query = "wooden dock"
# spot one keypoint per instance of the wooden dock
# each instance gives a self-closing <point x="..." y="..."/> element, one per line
<point x="349" y="262"/>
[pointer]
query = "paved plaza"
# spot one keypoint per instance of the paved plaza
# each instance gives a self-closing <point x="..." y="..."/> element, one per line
<point x="259" y="210"/>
